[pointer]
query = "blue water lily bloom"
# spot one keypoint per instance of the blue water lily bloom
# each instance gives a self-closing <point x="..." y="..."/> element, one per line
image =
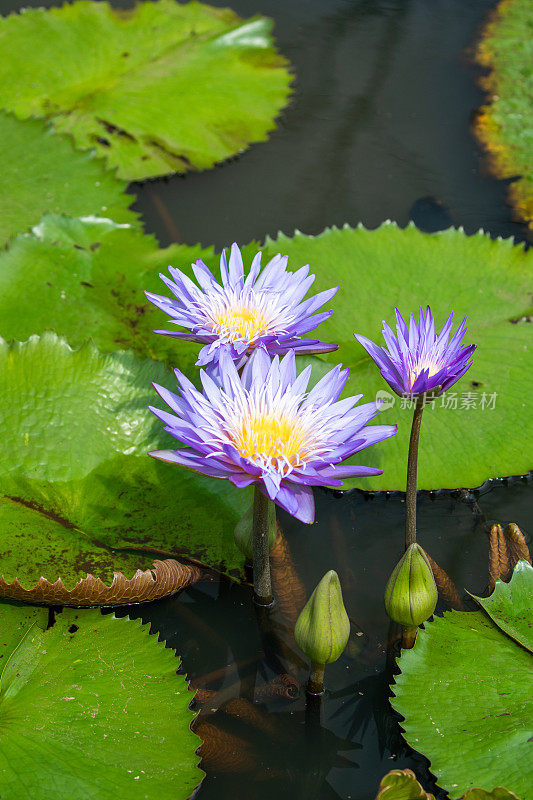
<point x="264" y="310"/>
<point x="263" y="427"/>
<point x="415" y="361"/>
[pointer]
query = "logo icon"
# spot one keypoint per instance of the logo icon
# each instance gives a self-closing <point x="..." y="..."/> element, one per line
<point x="385" y="399"/>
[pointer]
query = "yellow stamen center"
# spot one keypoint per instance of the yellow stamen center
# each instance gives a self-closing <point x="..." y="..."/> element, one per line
<point x="241" y="322"/>
<point x="421" y="366"/>
<point x="272" y="438"/>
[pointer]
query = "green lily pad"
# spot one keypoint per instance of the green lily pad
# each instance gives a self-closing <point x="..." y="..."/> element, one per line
<point x="44" y="559"/>
<point x="16" y="621"/>
<point x="488" y="280"/>
<point x="74" y="468"/>
<point x="162" y="87"/>
<point x="85" y="278"/>
<point x="93" y="708"/>
<point x="401" y="784"/>
<point x="505" y="126"/>
<point x="42" y="172"/>
<point x="499" y="793"/>
<point x="465" y="693"/>
<point x="510" y="606"/>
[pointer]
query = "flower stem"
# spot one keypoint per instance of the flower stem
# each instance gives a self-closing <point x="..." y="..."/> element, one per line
<point x="315" y="685"/>
<point x="408" y="637"/>
<point x="262" y="581"/>
<point x="410" y="490"/>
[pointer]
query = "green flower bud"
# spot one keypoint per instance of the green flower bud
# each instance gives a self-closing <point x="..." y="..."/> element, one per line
<point x="243" y="532"/>
<point x="323" y="627"/>
<point x="411" y="593"/>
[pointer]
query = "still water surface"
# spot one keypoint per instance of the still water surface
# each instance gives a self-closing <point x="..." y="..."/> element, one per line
<point x="213" y="626"/>
<point x="379" y="127"/>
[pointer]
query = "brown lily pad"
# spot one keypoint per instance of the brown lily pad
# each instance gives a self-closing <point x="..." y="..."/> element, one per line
<point x="166" y="577"/>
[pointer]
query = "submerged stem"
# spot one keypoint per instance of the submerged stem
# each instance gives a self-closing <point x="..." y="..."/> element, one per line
<point x="262" y="581"/>
<point x="410" y="489"/>
<point x="408" y="637"/>
<point x="315" y="685"/>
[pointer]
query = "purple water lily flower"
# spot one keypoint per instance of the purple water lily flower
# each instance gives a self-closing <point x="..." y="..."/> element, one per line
<point x="416" y="361"/>
<point x="262" y="427"/>
<point x="263" y="309"/>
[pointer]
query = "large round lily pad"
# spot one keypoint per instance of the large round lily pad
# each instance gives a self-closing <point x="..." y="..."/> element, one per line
<point x="479" y="429"/>
<point x="16" y="620"/>
<point x="164" y="87"/>
<point x="91" y="707"/>
<point x="42" y="172"/>
<point x="86" y="278"/>
<point x="465" y="693"/>
<point x="505" y="125"/>
<point x="74" y="470"/>
<point x="45" y="559"/>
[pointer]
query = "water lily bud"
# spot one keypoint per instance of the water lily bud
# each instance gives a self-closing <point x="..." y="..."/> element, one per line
<point x="243" y="532"/>
<point x="323" y="627"/>
<point x="411" y="593"/>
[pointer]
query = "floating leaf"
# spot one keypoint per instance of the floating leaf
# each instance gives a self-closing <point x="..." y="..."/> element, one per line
<point x="499" y="793"/>
<point x="465" y="693"/>
<point x="401" y="784"/>
<point x="93" y="708"/>
<point x="509" y="605"/>
<point x="505" y="126"/>
<point x="41" y="172"/>
<point x="487" y="280"/>
<point x="35" y="545"/>
<point x="161" y="88"/>
<point x="74" y="470"/>
<point x="85" y="278"/>
<point x="15" y="622"/>
<point x="98" y="270"/>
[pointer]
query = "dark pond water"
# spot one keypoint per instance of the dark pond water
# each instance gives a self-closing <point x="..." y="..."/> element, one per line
<point x="269" y="751"/>
<point x="379" y="127"/>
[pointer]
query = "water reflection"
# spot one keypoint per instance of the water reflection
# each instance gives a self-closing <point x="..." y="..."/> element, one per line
<point x="261" y="742"/>
<point x="380" y="117"/>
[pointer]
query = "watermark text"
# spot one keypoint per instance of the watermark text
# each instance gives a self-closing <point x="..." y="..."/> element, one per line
<point x="456" y="401"/>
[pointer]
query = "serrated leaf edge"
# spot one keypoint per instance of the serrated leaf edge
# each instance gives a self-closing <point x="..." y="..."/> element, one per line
<point x="166" y="577"/>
